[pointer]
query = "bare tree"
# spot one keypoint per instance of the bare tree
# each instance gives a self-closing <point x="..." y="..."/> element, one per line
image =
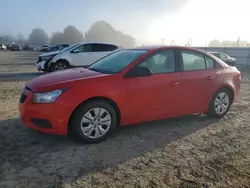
<point x="20" y="38"/>
<point x="103" y="32"/>
<point x="70" y="35"/>
<point x="7" y="39"/>
<point x="38" y="37"/>
<point x="228" y="43"/>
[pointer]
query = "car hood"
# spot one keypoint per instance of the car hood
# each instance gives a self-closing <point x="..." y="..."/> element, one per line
<point x="44" y="82"/>
<point x="50" y="54"/>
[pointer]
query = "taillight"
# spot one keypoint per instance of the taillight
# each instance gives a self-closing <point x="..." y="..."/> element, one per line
<point x="239" y="75"/>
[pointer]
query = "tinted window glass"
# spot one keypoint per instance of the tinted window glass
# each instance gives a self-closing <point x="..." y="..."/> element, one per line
<point x="223" y="57"/>
<point x="70" y="47"/>
<point x="98" y="47"/>
<point x="116" y="61"/>
<point x="210" y="62"/>
<point x="103" y="47"/>
<point x="84" y="48"/>
<point x="162" y="62"/>
<point x="192" y="60"/>
<point x="110" y="47"/>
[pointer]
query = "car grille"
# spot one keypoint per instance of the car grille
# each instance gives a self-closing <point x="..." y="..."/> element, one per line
<point x="23" y="98"/>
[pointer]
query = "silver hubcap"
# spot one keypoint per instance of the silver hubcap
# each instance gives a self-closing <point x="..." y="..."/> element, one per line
<point x="60" y="66"/>
<point x="96" y="123"/>
<point x="221" y="103"/>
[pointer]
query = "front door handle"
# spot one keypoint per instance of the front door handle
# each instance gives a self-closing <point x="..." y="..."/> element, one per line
<point x="218" y="73"/>
<point x="175" y="83"/>
<point x="209" y="77"/>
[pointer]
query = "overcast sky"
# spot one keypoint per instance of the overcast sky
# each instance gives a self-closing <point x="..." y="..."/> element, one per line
<point x="147" y="20"/>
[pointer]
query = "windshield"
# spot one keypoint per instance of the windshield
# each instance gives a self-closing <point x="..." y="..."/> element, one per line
<point x="71" y="47"/>
<point x="117" y="61"/>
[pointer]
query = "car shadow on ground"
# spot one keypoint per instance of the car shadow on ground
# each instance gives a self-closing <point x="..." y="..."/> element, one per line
<point x="23" y="148"/>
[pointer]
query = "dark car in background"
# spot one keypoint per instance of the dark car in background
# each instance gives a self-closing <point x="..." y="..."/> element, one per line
<point x="8" y="46"/>
<point x="224" y="57"/>
<point x="58" y="47"/>
<point x="15" y="47"/>
<point x="28" y="48"/>
<point x="45" y="48"/>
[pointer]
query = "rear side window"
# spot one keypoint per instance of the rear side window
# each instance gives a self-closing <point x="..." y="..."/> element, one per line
<point x="210" y="62"/>
<point x="110" y="47"/>
<point x="192" y="60"/>
<point x="103" y="47"/>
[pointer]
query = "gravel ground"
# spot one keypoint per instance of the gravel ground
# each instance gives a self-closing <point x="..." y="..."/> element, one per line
<point x="192" y="151"/>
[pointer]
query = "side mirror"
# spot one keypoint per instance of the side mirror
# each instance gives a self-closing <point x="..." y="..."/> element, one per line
<point x="76" y="51"/>
<point x="138" y="72"/>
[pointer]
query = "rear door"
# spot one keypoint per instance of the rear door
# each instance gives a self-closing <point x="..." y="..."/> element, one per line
<point x="198" y="80"/>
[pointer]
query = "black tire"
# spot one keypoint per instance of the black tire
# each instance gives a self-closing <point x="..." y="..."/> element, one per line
<point x="75" y="123"/>
<point x="211" y="110"/>
<point x="62" y="63"/>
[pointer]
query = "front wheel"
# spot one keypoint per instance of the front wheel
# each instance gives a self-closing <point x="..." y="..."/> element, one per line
<point x="60" y="65"/>
<point x="220" y="103"/>
<point x="93" y="122"/>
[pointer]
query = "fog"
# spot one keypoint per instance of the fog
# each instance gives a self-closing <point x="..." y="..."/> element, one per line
<point x="128" y="23"/>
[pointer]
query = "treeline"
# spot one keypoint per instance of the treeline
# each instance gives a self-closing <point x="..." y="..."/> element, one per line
<point x="100" y="31"/>
<point x="228" y="43"/>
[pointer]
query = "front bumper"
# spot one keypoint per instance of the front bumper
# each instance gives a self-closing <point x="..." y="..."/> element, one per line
<point x="41" y="65"/>
<point x="45" y="118"/>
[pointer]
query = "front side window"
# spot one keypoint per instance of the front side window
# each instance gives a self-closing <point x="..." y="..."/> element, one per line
<point x="116" y="61"/>
<point x="192" y="61"/>
<point x="161" y="62"/>
<point x="69" y="48"/>
<point x="84" y="48"/>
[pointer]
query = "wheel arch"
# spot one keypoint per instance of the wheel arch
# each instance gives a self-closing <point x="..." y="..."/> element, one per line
<point x="61" y="59"/>
<point x="230" y="89"/>
<point x="102" y="98"/>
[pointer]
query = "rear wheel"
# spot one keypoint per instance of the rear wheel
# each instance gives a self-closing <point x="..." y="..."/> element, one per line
<point x="220" y="103"/>
<point x="93" y="122"/>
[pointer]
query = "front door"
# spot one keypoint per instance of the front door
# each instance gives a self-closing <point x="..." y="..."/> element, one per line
<point x="155" y="96"/>
<point x="81" y="56"/>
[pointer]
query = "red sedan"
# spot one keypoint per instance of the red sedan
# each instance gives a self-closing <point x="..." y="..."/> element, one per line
<point x="128" y="87"/>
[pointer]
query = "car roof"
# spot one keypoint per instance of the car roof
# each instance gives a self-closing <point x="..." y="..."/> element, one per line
<point x="97" y="43"/>
<point x="161" y="47"/>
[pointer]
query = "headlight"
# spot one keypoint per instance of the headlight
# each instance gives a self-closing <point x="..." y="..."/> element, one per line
<point x="46" y="58"/>
<point x="46" y="97"/>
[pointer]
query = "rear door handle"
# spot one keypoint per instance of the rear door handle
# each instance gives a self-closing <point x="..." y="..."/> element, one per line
<point x="175" y="83"/>
<point x="209" y="78"/>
